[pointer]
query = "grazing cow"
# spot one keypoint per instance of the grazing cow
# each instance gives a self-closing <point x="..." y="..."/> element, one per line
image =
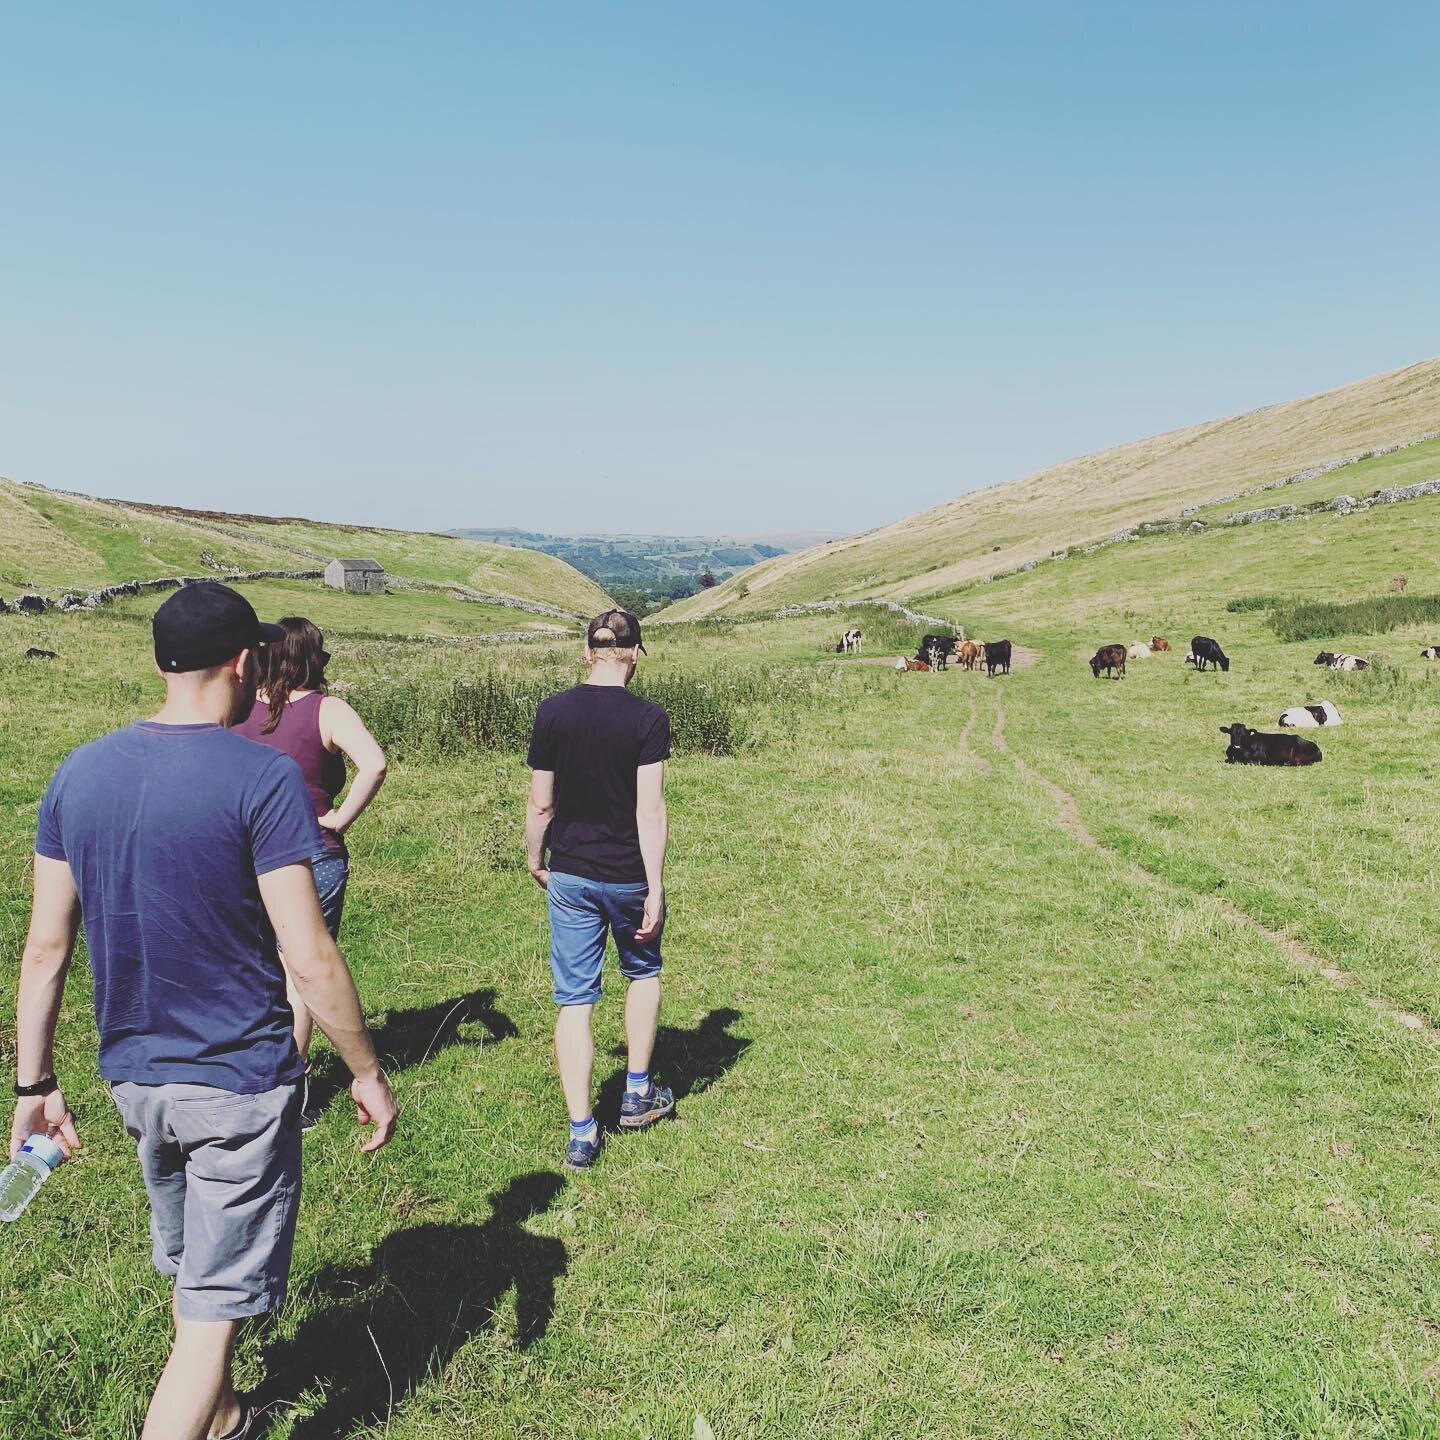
<point x="1251" y="747"/>
<point x="997" y="657"/>
<point x="851" y="643"/>
<point x="936" y="650"/>
<point x="1159" y="643"/>
<point x="1139" y="651"/>
<point x="1207" y="652"/>
<point x="36" y="653"/>
<point x="968" y="654"/>
<point x="905" y="664"/>
<point x="1308" y="717"/>
<point x="1108" y="658"/>
<point x="1430" y="652"/>
<point x="31" y="604"/>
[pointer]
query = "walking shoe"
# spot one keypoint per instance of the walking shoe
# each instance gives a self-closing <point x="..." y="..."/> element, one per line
<point x="582" y="1154"/>
<point x="638" y="1111"/>
<point x="245" y="1425"/>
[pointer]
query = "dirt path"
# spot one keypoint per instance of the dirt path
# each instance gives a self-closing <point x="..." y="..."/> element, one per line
<point x="1067" y="813"/>
<point x="981" y="764"/>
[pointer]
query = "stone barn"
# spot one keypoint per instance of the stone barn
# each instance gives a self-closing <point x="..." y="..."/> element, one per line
<point x="359" y="577"/>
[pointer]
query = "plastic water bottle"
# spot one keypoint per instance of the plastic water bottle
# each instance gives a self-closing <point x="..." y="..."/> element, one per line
<point x="26" y="1173"/>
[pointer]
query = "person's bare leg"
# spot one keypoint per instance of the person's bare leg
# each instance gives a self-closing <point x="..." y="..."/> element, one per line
<point x="195" y="1397"/>
<point x="575" y="1057"/>
<point x="304" y="1021"/>
<point x="642" y="1015"/>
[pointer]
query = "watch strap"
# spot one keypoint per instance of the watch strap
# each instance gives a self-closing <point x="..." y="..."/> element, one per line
<point x="40" y="1087"/>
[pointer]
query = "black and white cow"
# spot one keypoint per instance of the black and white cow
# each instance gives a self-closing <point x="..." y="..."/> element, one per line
<point x="935" y="651"/>
<point x="1309" y="717"/>
<point x="851" y="643"/>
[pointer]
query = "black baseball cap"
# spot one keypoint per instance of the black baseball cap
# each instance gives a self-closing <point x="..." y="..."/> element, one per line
<point x="204" y="624"/>
<point x="623" y="628"/>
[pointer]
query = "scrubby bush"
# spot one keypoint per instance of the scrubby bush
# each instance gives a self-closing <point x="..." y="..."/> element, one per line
<point x="1319" y="619"/>
<point x="711" y="713"/>
<point x="1243" y="603"/>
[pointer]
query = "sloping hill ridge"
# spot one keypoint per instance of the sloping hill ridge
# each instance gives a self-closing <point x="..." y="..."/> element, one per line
<point x="1079" y="501"/>
<point x="51" y="541"/>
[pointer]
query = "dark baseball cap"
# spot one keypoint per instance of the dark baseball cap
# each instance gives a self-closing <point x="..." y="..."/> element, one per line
<point x="623" y="628"/>
<point x="204" y="624"/>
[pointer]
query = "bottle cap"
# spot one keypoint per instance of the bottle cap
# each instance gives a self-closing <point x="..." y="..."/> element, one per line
<point x="42" y="1147"/>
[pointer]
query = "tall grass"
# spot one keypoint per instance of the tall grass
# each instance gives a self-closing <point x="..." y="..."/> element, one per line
<point x="1316" y="619"/>
<point x="1242" y="604"/>
<point x="711" y="712"/>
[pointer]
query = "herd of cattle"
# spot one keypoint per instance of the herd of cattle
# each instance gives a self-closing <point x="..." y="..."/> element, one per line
<point x="936" y="651"/>
<point x="1246" y="747"/>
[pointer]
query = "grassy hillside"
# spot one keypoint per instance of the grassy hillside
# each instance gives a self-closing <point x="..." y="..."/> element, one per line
<point x="1082" y="500"/>
<point x="983" y="1130"/>
<point x="51" y="542"/>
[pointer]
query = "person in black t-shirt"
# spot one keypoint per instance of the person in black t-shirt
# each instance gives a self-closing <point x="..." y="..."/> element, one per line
<point x="597" y="802"/>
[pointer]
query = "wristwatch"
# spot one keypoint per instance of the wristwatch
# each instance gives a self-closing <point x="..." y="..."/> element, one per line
<point x="40" y="1087"/>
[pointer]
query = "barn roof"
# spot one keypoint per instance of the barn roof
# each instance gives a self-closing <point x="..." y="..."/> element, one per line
<point x="367" y="566"/>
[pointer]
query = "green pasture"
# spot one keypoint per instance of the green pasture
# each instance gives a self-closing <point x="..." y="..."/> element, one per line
<point x="981" y="1132"/>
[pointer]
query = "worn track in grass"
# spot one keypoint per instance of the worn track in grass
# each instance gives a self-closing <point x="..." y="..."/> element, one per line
<point x="1067" y="814"/>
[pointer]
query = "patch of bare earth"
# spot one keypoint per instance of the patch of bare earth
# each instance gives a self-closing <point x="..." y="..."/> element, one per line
<point x="1067" y="813"/>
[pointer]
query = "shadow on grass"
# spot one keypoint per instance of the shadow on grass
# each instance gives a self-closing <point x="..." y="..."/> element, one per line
<point x="688" y="1061"/>
<point x="398" y="1320"/>
<point x="409" y="1037"/>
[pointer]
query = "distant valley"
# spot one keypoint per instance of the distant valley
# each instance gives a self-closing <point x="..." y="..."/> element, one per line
<point x="645" y="572"/>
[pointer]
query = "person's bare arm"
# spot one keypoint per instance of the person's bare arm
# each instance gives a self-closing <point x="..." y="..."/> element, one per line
<point x="341" y="727"/>
<point x="328" y="990"/>
<point x="539" y="812"/>
<point x="54" y="920"/>
<point x="654" y="826"/>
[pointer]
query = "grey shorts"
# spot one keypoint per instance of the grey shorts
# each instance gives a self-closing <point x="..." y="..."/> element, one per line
<point x="222" y="1171"/>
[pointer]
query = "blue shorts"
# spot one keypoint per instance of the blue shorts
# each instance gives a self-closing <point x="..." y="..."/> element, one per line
<point x="582" y="913"/>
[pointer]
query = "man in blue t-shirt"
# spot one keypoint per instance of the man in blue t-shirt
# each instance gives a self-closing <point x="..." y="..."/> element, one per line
<point x="182" y="846"/>
<point x="597" y="801"/>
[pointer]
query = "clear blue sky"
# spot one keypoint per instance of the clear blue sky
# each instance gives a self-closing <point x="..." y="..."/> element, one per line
<point x="645" y="266"/>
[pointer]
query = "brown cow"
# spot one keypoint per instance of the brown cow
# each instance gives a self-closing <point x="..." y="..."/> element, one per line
<point x="905" y="663"/>
<point x="1108" y="658"/>
<point x="1159" y="642"/>
<point x="969" y="654"/>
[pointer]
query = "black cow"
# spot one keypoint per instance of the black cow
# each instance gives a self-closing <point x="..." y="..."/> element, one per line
<point x="997" y="657"/>
<point x="936" y="650"/>
<point x="1108" y="658"/>
<point x="1251" y="747"/>
<point x="1208" y="652"/>
<point x="36" y="653"/>
<point x="31" y="604"/>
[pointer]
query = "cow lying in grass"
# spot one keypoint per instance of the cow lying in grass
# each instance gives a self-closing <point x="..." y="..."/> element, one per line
<point x="1251" y="747"/>
<point x="1430" y="652"/>
<point x="1159" y="643"/>
<point x="906" y="664"/>
<point x="1308" y="717"/>
<point x="1341" y="661"/>
<point x="1108" y="658"/>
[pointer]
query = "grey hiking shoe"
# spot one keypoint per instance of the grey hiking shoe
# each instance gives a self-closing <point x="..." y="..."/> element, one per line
<point x="638" y="1111"/>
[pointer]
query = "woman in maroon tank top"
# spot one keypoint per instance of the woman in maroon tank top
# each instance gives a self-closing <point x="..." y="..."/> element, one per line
<point x="319" y="732"/>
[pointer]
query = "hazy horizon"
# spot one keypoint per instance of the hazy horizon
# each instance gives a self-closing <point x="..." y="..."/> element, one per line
<point x="687" y="273"/>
